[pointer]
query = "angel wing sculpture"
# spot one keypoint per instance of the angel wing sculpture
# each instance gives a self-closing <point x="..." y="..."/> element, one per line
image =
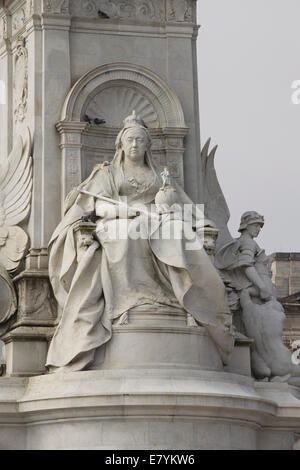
<point x="215" y="205"/>
<point x="15" y="202"/>
<point x="244" y="268"/>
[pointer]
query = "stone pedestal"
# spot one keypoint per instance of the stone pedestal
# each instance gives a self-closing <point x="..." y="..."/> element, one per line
<point x="147" y="409"/>
<point x="26" y="350"/>
<point x="26" y="342"/>
<point x="159" y="384"/>
<point x="158" y="340"/>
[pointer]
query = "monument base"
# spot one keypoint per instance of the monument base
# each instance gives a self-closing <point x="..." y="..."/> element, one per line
<point x="159" y="383"/>
<point x="152" y="409"/>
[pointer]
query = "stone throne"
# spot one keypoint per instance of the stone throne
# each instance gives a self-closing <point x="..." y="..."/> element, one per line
<point x="169" y="390"/>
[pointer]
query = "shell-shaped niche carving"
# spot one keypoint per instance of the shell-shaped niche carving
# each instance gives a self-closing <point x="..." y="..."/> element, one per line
<point x="115" y="103"/>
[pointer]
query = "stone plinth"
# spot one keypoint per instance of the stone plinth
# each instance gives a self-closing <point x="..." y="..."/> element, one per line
<point x="151" y="389"/>
<point x="26" y="342"/>
<point x="147" y="409"/>
<point x="158" y="340"/>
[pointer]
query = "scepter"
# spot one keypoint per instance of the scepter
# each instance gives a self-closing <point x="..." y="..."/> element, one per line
<point x="118" y="203"/>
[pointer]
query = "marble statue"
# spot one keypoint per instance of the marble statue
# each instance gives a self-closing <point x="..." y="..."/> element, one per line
<point x="101" y="272"/>
<point x="245" y="270"/>
<point x="15" y="202"/>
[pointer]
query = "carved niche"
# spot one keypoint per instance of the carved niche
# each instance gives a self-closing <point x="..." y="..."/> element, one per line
<point x="115" y="103"/>
<point x="94" y="111"/>
<point x="20" y="84"/>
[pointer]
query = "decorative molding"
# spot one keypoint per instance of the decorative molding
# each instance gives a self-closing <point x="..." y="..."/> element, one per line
<point x="180" y="10"/>
<point x="21" y="15"/>
<point x="36" y="300"/>
<point x="149" y="11"/>
<point x="5" y="29"/>
<point x="142" y="10"/>
<point x="20" y="84"/>
<point x="56" y="7"/>
<point x="30" y="7"/>
<point x="19" y="19"/>
<point x="164" y="100"/>
<point x="2" y="29"/>
<point x="4" y="22"/>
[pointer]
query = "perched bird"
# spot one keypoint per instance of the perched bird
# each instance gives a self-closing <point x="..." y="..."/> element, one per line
<point x="99" y="121"/>
<point x="101" y="14"/>
<point x="86" y="118"/>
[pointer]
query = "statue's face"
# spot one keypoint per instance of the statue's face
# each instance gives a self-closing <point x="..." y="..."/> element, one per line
<point x="253" y="230"/>
<point x="135" y="144"/>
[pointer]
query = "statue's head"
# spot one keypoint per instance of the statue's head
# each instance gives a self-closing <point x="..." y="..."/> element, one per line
<point x="133" y="141"/>
<point x="252" y="222"/>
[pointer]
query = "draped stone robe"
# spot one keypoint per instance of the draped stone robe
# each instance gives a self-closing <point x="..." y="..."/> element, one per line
<point x="115" y="275"/>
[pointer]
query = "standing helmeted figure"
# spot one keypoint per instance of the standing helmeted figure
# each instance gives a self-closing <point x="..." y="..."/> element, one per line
<point x="245" y="270"/>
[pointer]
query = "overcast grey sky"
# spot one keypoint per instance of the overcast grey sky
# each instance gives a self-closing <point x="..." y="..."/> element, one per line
<point x="248" y="58"/>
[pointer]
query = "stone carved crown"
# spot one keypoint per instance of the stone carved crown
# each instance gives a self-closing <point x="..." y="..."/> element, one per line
<point x="134" y="121"/>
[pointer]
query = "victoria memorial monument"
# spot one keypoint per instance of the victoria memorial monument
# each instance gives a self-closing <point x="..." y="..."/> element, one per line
<point x="130" y="318"/>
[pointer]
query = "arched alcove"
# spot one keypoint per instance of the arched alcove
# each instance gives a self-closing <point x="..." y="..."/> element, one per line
<point x="110" y="93"/>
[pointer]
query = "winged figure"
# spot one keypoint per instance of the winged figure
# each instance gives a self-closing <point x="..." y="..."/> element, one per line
<point x="245" y="270"/>
<point x="15" y="203"/>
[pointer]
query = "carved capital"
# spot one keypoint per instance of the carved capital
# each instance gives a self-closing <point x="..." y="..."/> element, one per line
<point x="37" y="259"/>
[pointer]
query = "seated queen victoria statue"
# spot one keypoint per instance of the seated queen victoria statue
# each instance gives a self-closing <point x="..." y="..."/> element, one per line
<point x="126" y="263"/>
